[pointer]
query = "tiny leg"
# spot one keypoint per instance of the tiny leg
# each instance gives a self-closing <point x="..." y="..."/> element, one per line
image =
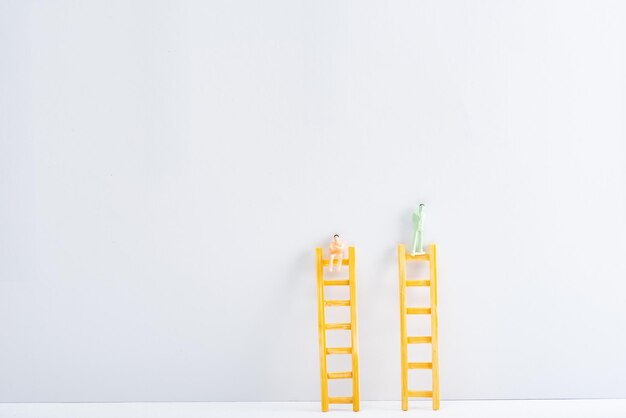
<point x="420" y="241"/>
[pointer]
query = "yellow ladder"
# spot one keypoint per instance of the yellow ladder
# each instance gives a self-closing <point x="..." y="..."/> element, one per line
<point x="322" y="303"/>
<point x="431" y="257"/>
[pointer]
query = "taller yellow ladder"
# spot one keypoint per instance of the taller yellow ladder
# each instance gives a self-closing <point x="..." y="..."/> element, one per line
<point x="431" y="257"/>
<point x="322" y="303"/>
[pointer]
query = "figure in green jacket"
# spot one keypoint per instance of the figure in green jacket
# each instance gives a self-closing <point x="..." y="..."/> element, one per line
<point x="418" y="230"/>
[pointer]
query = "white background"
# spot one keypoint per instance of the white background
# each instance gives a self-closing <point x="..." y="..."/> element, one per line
<point x="167" y="169"/>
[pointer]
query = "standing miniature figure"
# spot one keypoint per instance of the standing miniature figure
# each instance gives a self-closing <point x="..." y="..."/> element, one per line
<point x="336" y="251"/>
<point x="418" y="230"/>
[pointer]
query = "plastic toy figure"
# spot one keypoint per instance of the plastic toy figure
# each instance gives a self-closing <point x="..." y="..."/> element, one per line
<point x="418" y="230"/>
<point x="336" y="252"/>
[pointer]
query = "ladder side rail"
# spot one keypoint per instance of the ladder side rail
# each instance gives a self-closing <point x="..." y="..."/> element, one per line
<point x="434" y="324"/>
<point x="403" y="331"/>
<point x="353" y="332"/>
<point x="321" y="328"/>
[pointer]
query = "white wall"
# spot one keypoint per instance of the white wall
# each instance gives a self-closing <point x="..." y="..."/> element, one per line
<point x="166" y="171"/>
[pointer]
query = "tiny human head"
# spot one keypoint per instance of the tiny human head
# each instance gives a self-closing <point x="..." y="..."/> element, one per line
<point x="336" y="237"/>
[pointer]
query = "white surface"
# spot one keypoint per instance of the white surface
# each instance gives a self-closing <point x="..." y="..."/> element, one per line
<point x="601" y="408"/>
<point x="141" y="140"/>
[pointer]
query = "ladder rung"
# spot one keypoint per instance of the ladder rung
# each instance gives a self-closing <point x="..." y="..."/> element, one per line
<point x="340" y="400"/>
<point x="419" y="340"/>
<point x="418" y="282"/>
<point x="415" y="311"/>
<point x="336" y="282"/>
<point x="420" y="365"/>
<point x="420" y="394"/>
<point x="337" y="302"/>
<point x="339" y="375"/>
<point x="339" y="350"/>
<point x="339" y="326"/>
<point x="424" y="256"/>
<point x="344" y="262"/>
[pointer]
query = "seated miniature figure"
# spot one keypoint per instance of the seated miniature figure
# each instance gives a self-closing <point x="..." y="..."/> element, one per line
<point x="336" y="252"/>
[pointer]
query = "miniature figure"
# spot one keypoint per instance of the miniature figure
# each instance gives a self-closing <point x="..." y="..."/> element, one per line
<point x="418" y="230"/>
<point x="336" y="251"/>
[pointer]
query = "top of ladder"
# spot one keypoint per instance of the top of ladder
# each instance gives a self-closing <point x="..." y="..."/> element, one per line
<point x="427" y="256"/>
<point x="345" y="260"/>
<point x="424" y="256"/>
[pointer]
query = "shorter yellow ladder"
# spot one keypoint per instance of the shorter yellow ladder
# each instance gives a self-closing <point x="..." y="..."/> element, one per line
<point x="323" y="327"/>
<point x="431" y="258"/>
